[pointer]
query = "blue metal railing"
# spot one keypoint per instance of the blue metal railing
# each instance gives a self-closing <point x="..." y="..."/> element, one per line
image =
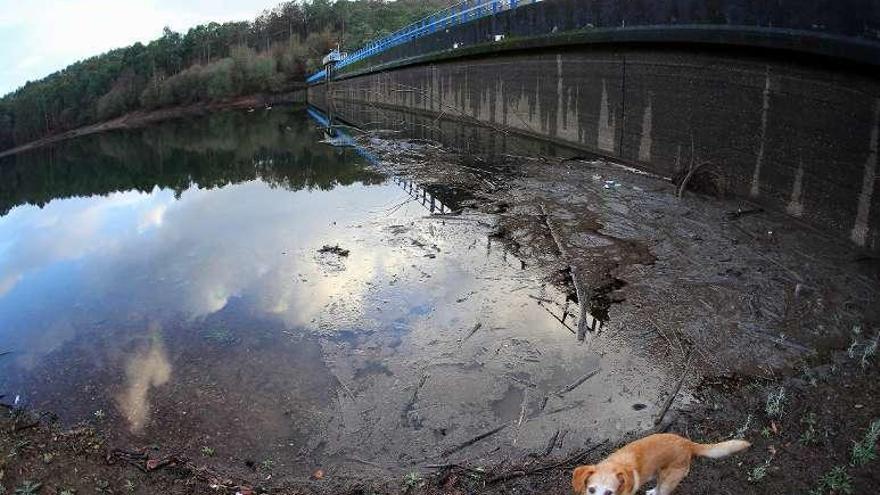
<point x="460" y="13"/>
<point x="343" y="139"/>
<point x="340" y="138"/>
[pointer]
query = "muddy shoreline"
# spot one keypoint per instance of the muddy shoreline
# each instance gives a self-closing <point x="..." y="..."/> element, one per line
<point x="739" y="302"/>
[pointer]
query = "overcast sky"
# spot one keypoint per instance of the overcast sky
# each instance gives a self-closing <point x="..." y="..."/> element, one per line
<point x="38" y="37"/>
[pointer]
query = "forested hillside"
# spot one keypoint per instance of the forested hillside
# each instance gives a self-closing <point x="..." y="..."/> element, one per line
<point x="209" y="63"/>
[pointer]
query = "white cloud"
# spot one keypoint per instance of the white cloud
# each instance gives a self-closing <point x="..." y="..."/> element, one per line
<point x="152" y="218"/>
<point x="42" y="36"/>
<point x="87" y="228"/>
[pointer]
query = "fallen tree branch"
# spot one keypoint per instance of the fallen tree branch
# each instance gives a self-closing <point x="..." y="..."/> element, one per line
<point x="455" y="465"/>
<point x="570" y="462"/>
<point x="541" y="299"/>
<point x="560" y="320"/>
<point x="365" y="462"/>
<point x="551" y="444"/>
<point x="739" y="213"/>
<point x="691" y="171"/>
<point x="34" y="424"/>
<point x="674" y="393"/>
<point x="684" y="182"/>
<point x="135" y="459"/>
<point x="409" y="405"/>
<point x="582" y="303"/>
<point x="522" y="415"/>
<point x="553" y="235"/>
<point x="27" y="426"/>
<point x="573" y="271"/>
<point x="470" y="334"/>
<point x="474" y="440"/>
<point x="577" y="383"/>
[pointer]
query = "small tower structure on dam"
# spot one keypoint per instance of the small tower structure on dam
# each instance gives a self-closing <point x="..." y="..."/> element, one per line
<point x="331" y="59"/>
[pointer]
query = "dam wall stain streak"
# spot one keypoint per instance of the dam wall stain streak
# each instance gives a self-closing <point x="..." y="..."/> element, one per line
<point x="795" y="137"/>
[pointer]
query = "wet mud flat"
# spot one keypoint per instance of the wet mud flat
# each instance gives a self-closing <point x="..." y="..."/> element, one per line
<point x="425" y="339"/>
<point x="226" y="296"/>
<point x="769" y="327"/>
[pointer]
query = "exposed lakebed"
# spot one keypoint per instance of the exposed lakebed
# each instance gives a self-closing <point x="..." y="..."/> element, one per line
<point x="172" y="285"/>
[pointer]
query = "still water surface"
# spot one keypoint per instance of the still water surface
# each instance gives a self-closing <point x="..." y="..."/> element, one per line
<point x="167" y="284"/>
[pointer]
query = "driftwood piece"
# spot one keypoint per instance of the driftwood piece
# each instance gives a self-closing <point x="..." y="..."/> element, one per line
<point x="560" y="320"/>
<point x="544" y="402"/>
<point x="522" y="415"/>
<point x="577" y="383"/>
<point x="455" y="465"/>
<point x="570" y="462"/>
<point x="364" y="462"/>
<point x="582" y="297"/>
<point x="551" y="444"/>
<point x="522" y="409"/>
<point x="559" y="246"/>
<point x="541" y="299"/>
<point x="687" y="178"/>
<point x="412" y="400"/>
<point x="135" y="459"/>
<point x="674" y="394"/>
<point x="740" y="212"/>
<point x="582" y="302"/>
<point x="470" y="334"/>
<point x="692" y="169"/>
<point x="478" y="438"/>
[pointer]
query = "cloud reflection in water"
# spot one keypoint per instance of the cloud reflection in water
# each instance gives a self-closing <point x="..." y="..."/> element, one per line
<point x="147" y="369"/>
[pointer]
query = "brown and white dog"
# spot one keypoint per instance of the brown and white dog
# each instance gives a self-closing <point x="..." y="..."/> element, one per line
<point x="665" y="456"/>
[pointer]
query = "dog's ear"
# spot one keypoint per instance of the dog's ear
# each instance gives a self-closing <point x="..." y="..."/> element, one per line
<point x="626" y="482"/>
<point x="580" y="477"/>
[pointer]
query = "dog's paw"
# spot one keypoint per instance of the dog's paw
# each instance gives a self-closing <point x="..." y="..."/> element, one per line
<point x="652" y="491"/>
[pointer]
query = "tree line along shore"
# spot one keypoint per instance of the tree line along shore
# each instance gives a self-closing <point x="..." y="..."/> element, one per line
<point x="209" y="63"/>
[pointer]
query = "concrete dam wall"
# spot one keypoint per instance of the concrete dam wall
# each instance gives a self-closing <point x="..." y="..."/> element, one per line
<point x="795" y="133"/>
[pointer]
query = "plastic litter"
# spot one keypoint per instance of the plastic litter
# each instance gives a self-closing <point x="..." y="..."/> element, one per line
<point x="611" y="184"/>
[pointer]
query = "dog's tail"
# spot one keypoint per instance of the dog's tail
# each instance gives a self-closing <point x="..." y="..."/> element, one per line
<point x="719" y="450"/>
